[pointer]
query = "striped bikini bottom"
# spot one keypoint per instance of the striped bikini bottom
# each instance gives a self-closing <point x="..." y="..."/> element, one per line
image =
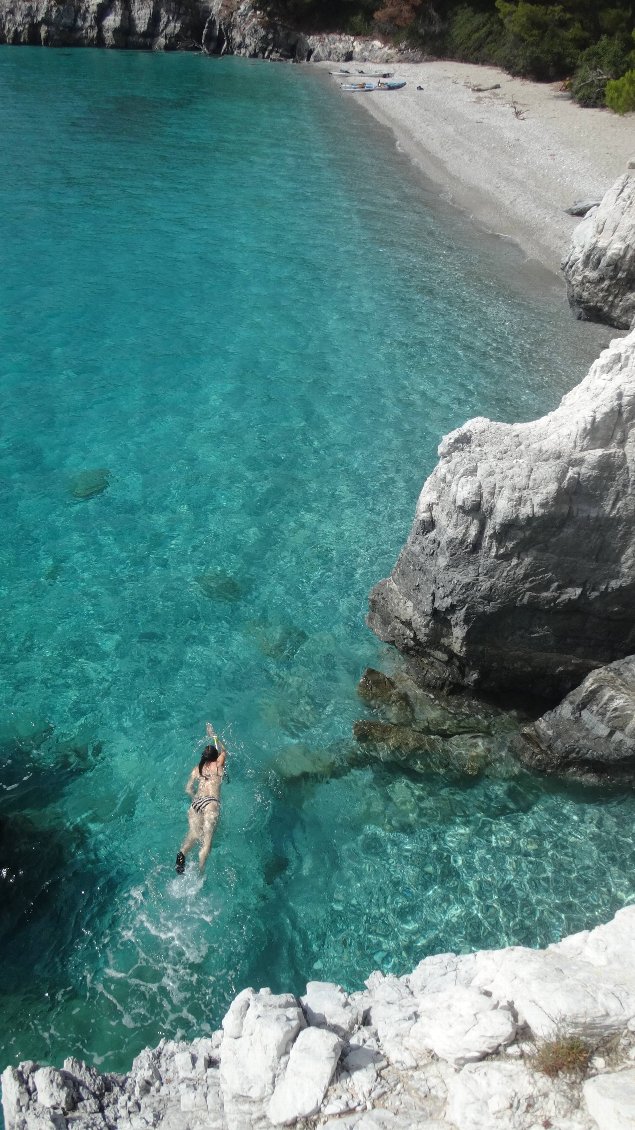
<point x="200" y="803"/>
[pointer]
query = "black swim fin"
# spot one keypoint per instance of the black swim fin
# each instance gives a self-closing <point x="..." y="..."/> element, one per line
<point x="180" y="863"/>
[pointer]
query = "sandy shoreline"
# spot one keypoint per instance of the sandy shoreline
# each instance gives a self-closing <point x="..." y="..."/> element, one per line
<point x="513" y="171"/>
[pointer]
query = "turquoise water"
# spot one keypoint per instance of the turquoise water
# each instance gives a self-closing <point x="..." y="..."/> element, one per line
<point x="221" y="286"/>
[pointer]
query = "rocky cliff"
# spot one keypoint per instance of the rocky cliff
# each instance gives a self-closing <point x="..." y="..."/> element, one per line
<point x="519" y="568"/>
<point x="600" y="266"/>
<point x="591" y="733"/>
<point x="235" y="27"/>
<point x="451" y="1046"/>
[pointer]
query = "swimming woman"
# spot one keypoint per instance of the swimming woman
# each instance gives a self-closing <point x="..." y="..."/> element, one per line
<point x="203" y="785"/>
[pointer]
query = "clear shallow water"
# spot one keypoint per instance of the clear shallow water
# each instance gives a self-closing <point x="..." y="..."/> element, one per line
<point x="221" y="284"/>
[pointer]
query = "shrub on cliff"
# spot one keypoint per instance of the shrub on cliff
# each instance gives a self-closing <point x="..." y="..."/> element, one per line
<point x="605" y="60"/>
<point x="620" y="93"/>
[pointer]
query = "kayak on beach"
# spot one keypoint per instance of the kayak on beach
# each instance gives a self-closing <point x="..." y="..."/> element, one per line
<point x="369" y="74"/>
<point x="389" y="84"/>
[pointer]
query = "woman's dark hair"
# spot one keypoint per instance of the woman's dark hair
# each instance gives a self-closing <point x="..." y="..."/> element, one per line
<point x="210" y="753"/>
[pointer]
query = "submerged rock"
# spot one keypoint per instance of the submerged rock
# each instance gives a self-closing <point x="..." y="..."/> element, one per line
<point x="278" y="640"/>
<point x="400" y="740"/>
<point x="600" y="265"/>
<point x="88" y="484"/>
<point x="299" y="760"/>
<point x="517" y="572"/>
<point x="592" y="731"/>
<point x="220" y="586"/>
<point x="380" y="690"/>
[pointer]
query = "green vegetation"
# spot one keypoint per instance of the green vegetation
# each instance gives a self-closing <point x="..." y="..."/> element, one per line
<point x="564" y="1055"/>
<point x="620" y="93"/>
<point x="584" y="43"/>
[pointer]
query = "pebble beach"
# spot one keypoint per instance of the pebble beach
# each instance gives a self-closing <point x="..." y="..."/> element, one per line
<point x="513" y="154"/>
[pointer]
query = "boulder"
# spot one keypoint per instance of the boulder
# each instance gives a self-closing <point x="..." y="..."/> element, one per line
<point x="600" y="265"/>
<point x="312" y="1061"/>
<point x="591" y="733"/>
<point x="460" y="1025"/>
<point x="252" y="1059"/>
<point x="517" y="573"/>
<point x="328" y="1006"/>
<point x="582" y="207"/>
<point x="55" y="1089"/>
<point x="610" y="1099"/>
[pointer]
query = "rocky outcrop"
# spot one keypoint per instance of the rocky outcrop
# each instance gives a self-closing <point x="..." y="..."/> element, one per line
<point x="600" y="266"/>
<point x="518" y="572"/>
<point x="234" y="27"/>
<point x="591" y="733"/>
<point x="448" y="1047"/>
<point x="138" y="24"/>
<point x="353" y="49"/>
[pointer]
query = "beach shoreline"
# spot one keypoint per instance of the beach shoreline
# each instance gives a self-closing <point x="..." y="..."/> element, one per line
<point x="512" y="157"/>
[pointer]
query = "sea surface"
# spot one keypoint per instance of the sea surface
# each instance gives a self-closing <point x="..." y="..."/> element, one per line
<point x="234" y="327"/>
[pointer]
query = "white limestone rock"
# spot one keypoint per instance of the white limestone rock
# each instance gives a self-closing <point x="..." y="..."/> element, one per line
<point x="235" y="1016"/>
<point x="312" y="1061"/>
<point x="392" y="1010"/>
<point x="55" y="1089"/>
<point x="506" y="1096"/>
<point x="610" y="1099"/>
<point x="439" y="972"/>
<point x="565" y="987"/>
<point x="600" y="265"/>
<point x="383" y="1120"/>
<point x="274" y="1070"/>
<point x="251" y="1063"/>
<point x="528" y="581"/>
<point x="327" y="1006"/>
<point x="460" y="1025"/>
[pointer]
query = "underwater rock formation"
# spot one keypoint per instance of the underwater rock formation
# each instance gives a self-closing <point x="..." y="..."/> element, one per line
<point x="449" y="1046"/>
<point x="600" y="265"/>
<point x="518" y="570"/>
<point x="87" y="484"/>
<point x="591" y="733"/>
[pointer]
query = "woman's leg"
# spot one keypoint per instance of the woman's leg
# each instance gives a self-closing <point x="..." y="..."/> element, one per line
<point x="195" y="821"/>
<point x="210" y="820"/>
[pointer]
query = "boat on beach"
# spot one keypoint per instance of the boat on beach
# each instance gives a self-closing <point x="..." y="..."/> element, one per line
<point x="382" y="84"/>
<point x="366" y="74"/>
